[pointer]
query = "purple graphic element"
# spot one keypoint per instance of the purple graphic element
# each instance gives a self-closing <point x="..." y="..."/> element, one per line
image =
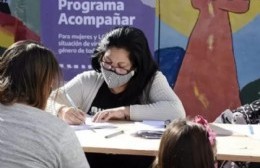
<point x="73" y="28"/>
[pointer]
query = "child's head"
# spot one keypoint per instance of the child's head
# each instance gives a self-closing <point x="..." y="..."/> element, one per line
<point x="187" y="144"/>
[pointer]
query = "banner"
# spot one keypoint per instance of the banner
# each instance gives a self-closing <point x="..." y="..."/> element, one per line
<point x="72" y="28"/>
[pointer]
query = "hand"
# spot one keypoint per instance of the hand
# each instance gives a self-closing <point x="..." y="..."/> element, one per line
<point x="72" y="115"/>
<point x="115" y="113"/>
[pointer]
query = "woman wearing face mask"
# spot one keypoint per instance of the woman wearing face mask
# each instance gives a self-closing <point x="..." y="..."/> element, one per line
<point x="124" y="85"/>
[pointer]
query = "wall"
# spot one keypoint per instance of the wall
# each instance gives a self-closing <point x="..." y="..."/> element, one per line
<point x="221" y="67"/>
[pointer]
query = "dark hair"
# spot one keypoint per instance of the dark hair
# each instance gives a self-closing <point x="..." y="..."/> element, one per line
<point x="134" y="41"/>
<point x="28" y="71"/>
<point x="185" y="144"/>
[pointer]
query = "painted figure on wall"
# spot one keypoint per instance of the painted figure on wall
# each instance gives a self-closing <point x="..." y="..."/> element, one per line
<point x="207" y="82"/>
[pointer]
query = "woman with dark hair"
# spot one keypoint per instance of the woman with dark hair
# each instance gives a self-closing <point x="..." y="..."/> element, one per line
<point x="30" y="137"/>
<point x="187" y="144"/>
<point x="124" y="85"/>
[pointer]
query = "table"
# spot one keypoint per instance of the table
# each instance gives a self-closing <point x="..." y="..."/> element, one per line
<point x="126" y="143"/>
<point x="233" y="147"/>
<point x="237" y="146"/>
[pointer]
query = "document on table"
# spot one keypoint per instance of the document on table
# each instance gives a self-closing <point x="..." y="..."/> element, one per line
<point x="150" y="129"/>
<point x="154" y="123"/>
<point x="92" y="125"/>
<point x="251" y="130"/>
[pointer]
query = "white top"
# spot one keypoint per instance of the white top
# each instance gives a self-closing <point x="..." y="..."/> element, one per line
<point x="159" y="102"/>
<point x="30" y="138"/>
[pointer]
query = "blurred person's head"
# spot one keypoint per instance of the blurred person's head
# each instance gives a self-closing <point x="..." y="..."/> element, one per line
<point x="28" y="73"/>
<point x="186" y="144"/>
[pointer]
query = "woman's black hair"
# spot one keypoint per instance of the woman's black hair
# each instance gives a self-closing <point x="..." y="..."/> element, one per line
<point x="135" y="42"/>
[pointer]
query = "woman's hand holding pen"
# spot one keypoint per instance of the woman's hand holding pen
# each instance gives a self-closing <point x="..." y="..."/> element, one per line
<point x="72" y="116"/>
<point x="113" y="113"/>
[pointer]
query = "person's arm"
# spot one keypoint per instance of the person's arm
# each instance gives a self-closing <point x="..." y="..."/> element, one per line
<point x="71" y="153"/>
<point x="58" y="99"/>
<point x="79" y="89"/>
<point x="120" y="113"/>
<point x="163" y="103"/>
<point x="59" y="105"/>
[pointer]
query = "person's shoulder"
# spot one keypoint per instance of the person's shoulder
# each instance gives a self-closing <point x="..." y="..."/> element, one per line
<point x="38" y="117"/>
<point x="158" y="79"/>
<point x="158" y="75"/>
<point x="91" y="74"/>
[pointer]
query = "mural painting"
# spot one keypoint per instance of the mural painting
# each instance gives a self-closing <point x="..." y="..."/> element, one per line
<point x="12" y="29"/>
<point x="208" y="80"/>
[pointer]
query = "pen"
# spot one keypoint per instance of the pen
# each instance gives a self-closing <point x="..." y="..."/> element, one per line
<point x="251" y="129"/>
<point x="71" y="101"/>
<point x="76" y="108"/>
<point x="114" y="134"/>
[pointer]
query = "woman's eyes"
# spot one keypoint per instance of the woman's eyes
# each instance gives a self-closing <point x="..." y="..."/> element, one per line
<point x="110" y="63"/>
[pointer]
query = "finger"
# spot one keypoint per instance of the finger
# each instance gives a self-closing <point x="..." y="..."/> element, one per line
<point x="75" y="121"/>
<point x="79" y="113"/>
<point x="73" y="117"/>
<point x="104" y="116"/>
<point x="97" y="116"/>
<point x="83" y="114"/>
<point x="79" y="116"/>
<point x="94" y="118"/>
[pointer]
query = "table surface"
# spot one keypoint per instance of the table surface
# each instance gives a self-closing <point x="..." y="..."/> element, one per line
<point x="229" y="147"/>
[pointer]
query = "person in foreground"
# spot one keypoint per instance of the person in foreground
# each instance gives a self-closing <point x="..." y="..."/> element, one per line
<point x="29" y="136"/>
<point x="125" y="84"/>
<point x="187" y="144"/>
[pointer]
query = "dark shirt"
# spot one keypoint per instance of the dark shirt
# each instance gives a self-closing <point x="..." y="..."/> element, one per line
<point x="105" y="99"/>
